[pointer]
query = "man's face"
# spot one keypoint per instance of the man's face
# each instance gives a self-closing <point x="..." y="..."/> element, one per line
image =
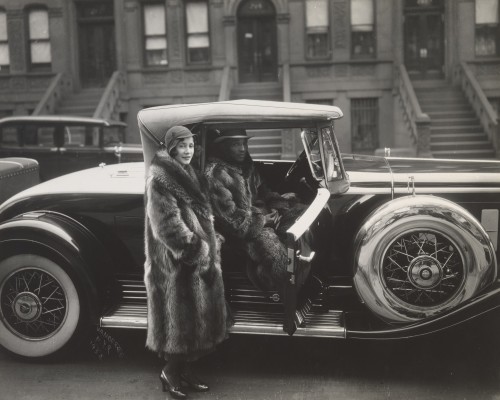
<point x="236" y="149"/>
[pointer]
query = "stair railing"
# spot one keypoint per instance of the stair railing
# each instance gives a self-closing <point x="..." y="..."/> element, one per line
<point x="226" y="84"/>
<point x="464" y="77"/>
<point x="287" y="91"/>
<point x="108" y="107"/>
<point x="58" y="88"/>
<point x="417" y="121"/>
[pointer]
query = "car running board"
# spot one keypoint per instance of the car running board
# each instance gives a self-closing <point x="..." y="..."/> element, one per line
<point x="315" y="323"/>
<point x="311" y="321"/>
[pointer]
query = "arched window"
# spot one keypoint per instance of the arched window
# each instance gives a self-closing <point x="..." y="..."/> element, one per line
<point x="39" y="38"/>
<point x="4" y="43"/>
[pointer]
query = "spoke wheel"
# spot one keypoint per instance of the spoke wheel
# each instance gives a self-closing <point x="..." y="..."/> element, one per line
<point x="39" y="306"/>
<point x="423" y="268"/>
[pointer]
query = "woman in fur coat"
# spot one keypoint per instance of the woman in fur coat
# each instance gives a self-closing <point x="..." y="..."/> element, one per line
<point x="241" y="203"/>
<point x="187" y="312"/>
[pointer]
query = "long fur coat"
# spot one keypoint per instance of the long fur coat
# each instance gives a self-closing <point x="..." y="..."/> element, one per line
<point x="238" y="202"/>
<point x="187" y="311"/>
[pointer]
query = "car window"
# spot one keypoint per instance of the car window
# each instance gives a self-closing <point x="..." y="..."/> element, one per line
<point x="39" y="136"/>
<point x="113" y="135"/>
<point x="81" y="136"/>
<point x="312" y="147"/>
<point x="332" y="163"/>
<point x="9" y="136"/>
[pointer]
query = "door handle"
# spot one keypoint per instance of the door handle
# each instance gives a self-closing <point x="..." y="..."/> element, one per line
<point x="307" y="259"/>
<point x="54" y="149"/>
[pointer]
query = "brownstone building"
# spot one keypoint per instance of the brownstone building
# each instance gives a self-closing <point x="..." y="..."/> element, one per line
<point x="422" y="75"/>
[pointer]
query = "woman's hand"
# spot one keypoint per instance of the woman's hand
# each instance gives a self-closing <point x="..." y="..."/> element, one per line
<point x="196" y="252"/>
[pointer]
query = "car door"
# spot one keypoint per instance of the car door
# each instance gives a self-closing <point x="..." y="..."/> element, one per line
<point x="39" y="141"/>
<point x="303" y="238"/>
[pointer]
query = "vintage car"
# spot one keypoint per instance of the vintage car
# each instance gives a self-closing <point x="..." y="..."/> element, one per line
<point x="386" y="247"/>
<point x="64" y="144"/>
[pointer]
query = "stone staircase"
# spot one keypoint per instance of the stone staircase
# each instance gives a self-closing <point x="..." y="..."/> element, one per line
<point x="265" y="144"/>
<point x="455" y="130"/>
<point x="82" y="103"/>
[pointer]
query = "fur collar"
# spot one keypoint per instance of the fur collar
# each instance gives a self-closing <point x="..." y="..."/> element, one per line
<point x="245" y="169"/>
<point x="182" y="181"/>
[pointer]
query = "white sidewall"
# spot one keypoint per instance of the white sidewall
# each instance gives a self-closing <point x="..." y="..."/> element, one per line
<point x="53" y="343"/>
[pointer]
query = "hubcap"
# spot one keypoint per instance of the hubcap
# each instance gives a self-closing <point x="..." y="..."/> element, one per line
<point x="27" y="306"/>
<point x="424" y="272"/>
<point x="423" y="268"/>
<point x="33" y="303"/>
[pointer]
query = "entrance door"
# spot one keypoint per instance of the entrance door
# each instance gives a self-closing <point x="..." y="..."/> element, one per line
<point x="257" y="47"/>
<point x="96" y="34"/>
<point x="424" y="41"/>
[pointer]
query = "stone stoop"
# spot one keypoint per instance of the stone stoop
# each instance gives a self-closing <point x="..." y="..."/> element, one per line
<point x="455" y="130"/>
<point x="82" y="103"/>
<point x="265" y="144"/>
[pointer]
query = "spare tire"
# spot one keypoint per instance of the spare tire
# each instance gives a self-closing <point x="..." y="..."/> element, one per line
<point x="418" y="256"/>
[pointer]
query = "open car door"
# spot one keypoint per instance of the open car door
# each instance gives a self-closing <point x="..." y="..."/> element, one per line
<point x="326" y="167"/>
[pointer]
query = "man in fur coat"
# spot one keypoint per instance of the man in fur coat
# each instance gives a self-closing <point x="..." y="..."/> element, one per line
<point x="187" y="314"/>
<point x="240" y="202"/>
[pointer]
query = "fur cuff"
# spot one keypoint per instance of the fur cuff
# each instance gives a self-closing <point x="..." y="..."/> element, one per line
<point x="257" y="223"/>
<point x="195" y="252"/>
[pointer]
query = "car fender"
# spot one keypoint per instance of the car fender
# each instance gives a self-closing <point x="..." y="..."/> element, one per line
<point x="61" y="235"/>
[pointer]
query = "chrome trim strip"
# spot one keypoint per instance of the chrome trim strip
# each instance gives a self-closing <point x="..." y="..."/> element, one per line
<point x="422" y="190"/>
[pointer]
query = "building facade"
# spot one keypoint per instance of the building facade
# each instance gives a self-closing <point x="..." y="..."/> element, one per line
<point x="372" y="58"/>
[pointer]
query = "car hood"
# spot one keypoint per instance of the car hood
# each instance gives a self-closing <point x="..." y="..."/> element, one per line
<point x="126" y="178"/>
<point x="445" y="175"/>
<point x="371" y="174"/>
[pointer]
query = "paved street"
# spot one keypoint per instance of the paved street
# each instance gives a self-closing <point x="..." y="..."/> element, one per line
<point x="250" y="367"/>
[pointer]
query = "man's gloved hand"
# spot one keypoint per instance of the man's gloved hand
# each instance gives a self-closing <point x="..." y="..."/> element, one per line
<point x="272" y="218"/>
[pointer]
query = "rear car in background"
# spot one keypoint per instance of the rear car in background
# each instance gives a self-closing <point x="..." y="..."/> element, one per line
<point x="386" y="247"/>
<point x="63" y="144"/>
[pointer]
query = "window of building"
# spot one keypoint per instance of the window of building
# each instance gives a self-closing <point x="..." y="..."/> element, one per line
<point x="39" y="38"/>
<point x="487" y="28"/>
<point x="318" y="44"/>
<point x="364" y="125"/>
<point x="362" y="28"/>
<point x="155" y="35"/>
<point x="4" y="43"/>
<point x="198" y="40"/>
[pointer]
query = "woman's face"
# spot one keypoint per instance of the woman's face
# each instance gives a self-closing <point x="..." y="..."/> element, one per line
<point x="184" y="151"/>
<point x="236" y="149"/>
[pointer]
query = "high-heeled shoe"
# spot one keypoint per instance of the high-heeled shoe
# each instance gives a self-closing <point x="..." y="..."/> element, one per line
<point x="193" y="381"/>
<point x="175" y="390"/>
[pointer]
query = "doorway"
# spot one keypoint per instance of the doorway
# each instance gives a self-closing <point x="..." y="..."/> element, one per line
<point x="96" y="40"/>
<point x="257" y="43"/>
<point x="424" y="38"/>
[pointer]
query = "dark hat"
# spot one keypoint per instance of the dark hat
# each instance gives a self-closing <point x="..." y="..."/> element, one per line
<point x="237" y="133"/>
<point x="174" y="134"/>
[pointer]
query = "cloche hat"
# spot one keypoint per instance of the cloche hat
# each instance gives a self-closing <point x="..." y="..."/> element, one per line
<point x="174" y="134"/>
